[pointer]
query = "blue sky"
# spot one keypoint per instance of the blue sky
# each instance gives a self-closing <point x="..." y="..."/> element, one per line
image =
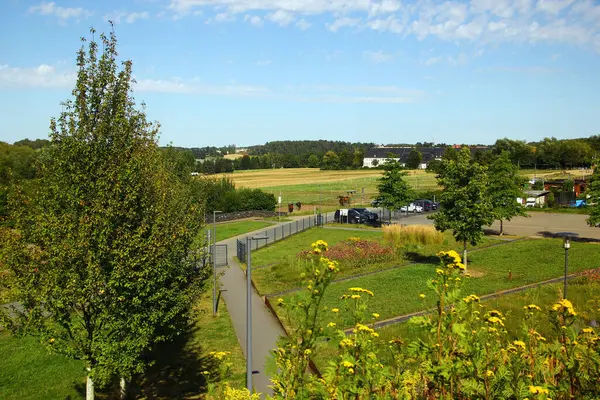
<point x="217" y="72"/>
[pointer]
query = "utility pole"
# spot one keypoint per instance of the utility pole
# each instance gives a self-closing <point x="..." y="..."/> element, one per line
<point x="214" y="262"/>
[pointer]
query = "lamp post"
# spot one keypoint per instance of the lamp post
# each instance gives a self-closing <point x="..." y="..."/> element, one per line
<point x="214" y="261"/>
<point x="567" y="246"/>
<point x="249" y="310"/>
<point x="567" y="237"/>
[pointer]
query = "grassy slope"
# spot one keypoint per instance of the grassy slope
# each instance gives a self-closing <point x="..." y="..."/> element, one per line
<point x="29" y="371"/>
<point x="281" y="268"/>
<point x="397" y="291"/>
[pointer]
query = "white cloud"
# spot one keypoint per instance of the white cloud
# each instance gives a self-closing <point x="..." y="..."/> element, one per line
<point x="303" y="24"/>
<point x="575" y="22"/>
<point x="432" y="61"/>
<point x="47" y="76"/>
<point x="253" y="20"/>
<point x="121" y="16"/>
<point x="553" y="6"/>
<point x="377" y="56"/>
<point x="62" y="13"/>
<point x="281" y="17"/>
<point x="42" y="76"/>
<point x="343" y="22"/>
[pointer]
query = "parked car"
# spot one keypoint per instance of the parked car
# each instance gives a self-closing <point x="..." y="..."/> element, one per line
<point x="353" y="217"/>
<point x="371" y="216"/>
<point x="412" y="207"/>
<point x="427" y="205"/>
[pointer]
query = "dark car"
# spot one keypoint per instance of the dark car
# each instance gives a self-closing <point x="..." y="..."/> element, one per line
<point x="353" y="217"/>
<point x="369" y="214"/>
<point x="427" y="205"/>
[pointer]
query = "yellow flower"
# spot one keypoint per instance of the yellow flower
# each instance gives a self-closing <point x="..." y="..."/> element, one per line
<point x="565" y="306"/>
<point x="439" y="271"/>
<point x="51" y="340"/>
<point x="422" y="296"/>
<point x="346" y="343"/>
<point x="495" y="320"/>
<point x="331" y="325"/>
<point x="280" y="301"/>
<point x="532" y="307"/>
<point x="307" y="352"/>
<point x="350" y="370"/>
<point x="489" y="373"/>
<point x="334" y="310"/>
<point x="537" y="390"/>
<point x="361" y="290"/>
<point x="374" y="334"/>
<point x="588" y="330"/>
<point x="219" y="355"/>
<point x="375" y="315"/>
<point x="519" y="343"/>
<point x="470" y="298"/>
<point x="347" y="364"/>
<point x="355" y="296"/>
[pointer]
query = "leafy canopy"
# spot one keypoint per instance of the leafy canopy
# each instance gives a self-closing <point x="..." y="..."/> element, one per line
<point x="505" y="186"/>
<point x="394" y="191"/>
<point x="465" y="205"/>
<point x="100" y="257"/>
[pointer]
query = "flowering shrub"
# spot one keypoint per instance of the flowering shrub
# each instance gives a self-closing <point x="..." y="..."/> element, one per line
<point x="464" y="351"/>
<point x="355" y="252"/>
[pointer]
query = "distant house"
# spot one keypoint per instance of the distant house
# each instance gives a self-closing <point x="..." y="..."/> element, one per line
<point x="578" y="186"/>
<point x="533" y="198"/>
<point x="379" y="155"/>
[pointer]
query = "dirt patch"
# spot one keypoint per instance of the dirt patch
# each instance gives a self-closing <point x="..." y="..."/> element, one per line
<point x="475" y="273"/>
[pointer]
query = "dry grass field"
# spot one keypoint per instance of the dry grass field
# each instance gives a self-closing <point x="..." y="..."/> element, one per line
<point x="314" y="187"/>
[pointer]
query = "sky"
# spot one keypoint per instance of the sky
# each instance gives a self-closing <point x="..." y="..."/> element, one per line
<point x="244" y="72"/>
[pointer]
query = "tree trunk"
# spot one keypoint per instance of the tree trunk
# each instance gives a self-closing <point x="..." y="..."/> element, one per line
<point x="123" y="388"/>
<point x="501" y="228"/>
<point x="89" y="387"/>
<point x="465" y="255"/>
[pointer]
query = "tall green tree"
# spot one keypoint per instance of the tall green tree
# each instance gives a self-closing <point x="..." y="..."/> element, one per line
<point x="465" y="204"/>
<point x="505" y="186"/>
<point x="394" y="191"/>
<point x="331" y="161"/>
<point x="414" y="159"/>
<point x="593" y="198"/>
<point x="100" y="256"/>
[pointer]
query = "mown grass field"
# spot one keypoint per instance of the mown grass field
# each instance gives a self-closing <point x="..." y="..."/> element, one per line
<point x="277" y="267"/>
<point x="28" y="371"/>
<point x="529" y="261"/>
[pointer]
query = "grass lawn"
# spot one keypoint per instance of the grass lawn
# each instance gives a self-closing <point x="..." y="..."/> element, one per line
<point x="561" y="210"/>
<point x="277" y="268"/>
<point x="227" y="230"/>
<point x="584" y="294"/>
<point x="29" y="371"/>
<point x="533" y="260"/>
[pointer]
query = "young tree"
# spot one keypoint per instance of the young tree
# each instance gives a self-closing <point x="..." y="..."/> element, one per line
<point x="394" y="191"/>
<point x="414" y="159"/>
<point x="100" y="257"/>
<point x="313" y="161"/>
<point x="465" y="204"/>
<point x="505" y="186"/>
<point x="593" y="198"/>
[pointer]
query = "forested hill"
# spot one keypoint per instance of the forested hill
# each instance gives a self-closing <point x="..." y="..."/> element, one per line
<point x="301" y="147"/>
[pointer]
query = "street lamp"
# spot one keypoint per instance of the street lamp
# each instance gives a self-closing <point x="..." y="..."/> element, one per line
<point x="214" y="261"/>
<point x="249" y="309"/>
<point x="567" y="236"/>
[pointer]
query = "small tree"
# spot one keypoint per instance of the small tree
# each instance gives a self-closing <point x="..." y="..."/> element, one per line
<point x="100" y="257"/>
<point x="394" y="191"/>
<point x="593" y="198"/>
<point x="465" y="205"/>
<point x="313" y="161"/>
<point x="414" y="159"/>
<point x="504" y="188"/>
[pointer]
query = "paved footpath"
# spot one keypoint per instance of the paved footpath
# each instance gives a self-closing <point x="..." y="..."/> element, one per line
<point x="265" y="329"/>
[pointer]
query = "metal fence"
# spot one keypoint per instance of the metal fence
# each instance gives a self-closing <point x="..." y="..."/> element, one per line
<point x="282" y="231"/>
<point x="202" y="259"/>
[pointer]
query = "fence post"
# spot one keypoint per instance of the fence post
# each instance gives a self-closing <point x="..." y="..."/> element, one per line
<point x="282" y="231"/>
